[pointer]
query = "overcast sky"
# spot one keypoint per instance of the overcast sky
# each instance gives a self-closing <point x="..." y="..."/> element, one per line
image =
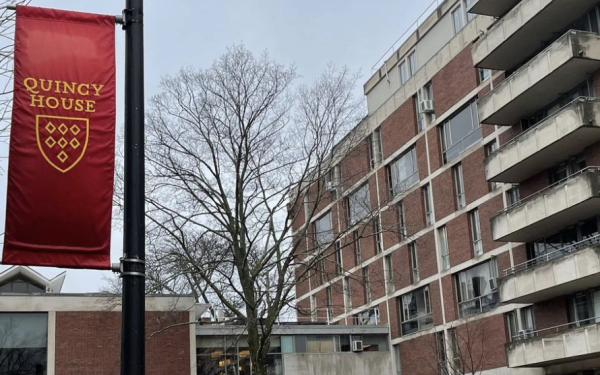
<point x="307" y="33"/>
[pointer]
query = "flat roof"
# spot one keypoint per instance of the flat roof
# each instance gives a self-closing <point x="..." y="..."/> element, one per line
<point x="211" y="329"/>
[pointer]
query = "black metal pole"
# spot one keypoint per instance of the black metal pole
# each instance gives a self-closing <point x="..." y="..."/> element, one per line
<point x="133" y="261"/>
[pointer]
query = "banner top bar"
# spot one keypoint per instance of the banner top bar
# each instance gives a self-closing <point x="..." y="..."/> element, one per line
<point x="118" y="17"/>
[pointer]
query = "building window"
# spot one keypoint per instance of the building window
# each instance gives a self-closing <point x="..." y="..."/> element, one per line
<point x="367" y="282"/>
<point x="460" y="132"/>
<point x="564" y="242"/>
<point x="375" y="148"/>
<point x="323" y="231"/>
<point x="585" y="89"/>
<point x="403" y="173"/>
<point x="416" y="311"/>
<point x="476" y="232"/>
<point x="566" y="169"/>
<point x="18" y="285"/>
<point x="321" y="270"/>
<point x="459" y="184"/>
<point x="404" y="75"/>
<point x="412" y="63"/>
<point x="313" y="308"/>
<point x="356" y="243"/>
<point x="377" y="234"/>
<point x="584" y="308"/>
<point x="347" y="294"/>
<point x="513" y="196"/>
<point x="23" y="348"/>
<point x="520" y="323"/>
<point x="440" y="351"/>
<point x="329" y="303"/>
<point x="397" y="360"/>
<point x="424" y="117"/>
<point x="401" y="221"/>
<point x="476" y="289"/>
<point x="338" y="258"/>
<point x="484" y="74"/>
<point x="428" y="205"/>
<point x="367" y="317"/>
<point x="490" y="149"/>
<point x="444" y="251"/>
<point x="359" y="204"/>
<point x="458" y="19"/>
<point x="389" y="274"/>
<point x="414" y="262"/>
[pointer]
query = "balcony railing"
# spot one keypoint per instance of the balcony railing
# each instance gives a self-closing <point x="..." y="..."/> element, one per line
<point x="547" y="332"/>
<point x="479" y="305"/>
<point x="541" y="192"/>
<point x="555" y="254"/>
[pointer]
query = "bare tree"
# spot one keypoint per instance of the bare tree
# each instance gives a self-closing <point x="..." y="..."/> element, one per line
<point x="470" y="349"/>
<point x="7" y="47"/>
<point x="230" y="149"/>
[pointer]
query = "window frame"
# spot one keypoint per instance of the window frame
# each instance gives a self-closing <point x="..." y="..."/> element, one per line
<point x="377" y="232"/>
<point x="453" y="148"/>
<point x="402" y="229"/>
<point x="476" y="235"/>
<point x="339" y="268"/>
<point x="399" y="187"/>
<point x="365" y="213"/>
<point x="414" y="262"/>
<point x="403" y="69"/>
<point x="458" y="11"/>
<point x="442" y="235"/>
<point x="428" y="206"/>
<point x="405" y="314"/>
<point x="318" y="236"/>
<point x="357" y="249"/>
<point x="459" y="186"/>
<point x="367" y="283"/>
<point x="413" y="68"/>
<point x="389" y="274"/>
<point x="462" y="291"/>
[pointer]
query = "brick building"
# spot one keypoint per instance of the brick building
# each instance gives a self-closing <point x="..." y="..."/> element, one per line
<point x="45" y="332"/>
<point x="466" y="217"/>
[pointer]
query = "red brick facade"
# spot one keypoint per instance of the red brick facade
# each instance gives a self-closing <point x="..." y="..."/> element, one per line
<point x="90" y="342"/>
<point x="454" y="86"/>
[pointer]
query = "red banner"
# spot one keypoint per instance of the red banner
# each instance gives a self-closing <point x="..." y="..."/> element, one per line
<point x="62" y="141"/>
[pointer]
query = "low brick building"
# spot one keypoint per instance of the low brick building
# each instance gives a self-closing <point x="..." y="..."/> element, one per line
<point x="46" y="332"/>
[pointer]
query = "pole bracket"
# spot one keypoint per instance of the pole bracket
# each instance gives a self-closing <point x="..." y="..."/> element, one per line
<point x="135" y="267"/>
<point x="132" y="15"/>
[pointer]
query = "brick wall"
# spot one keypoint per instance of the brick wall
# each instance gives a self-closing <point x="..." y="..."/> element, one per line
<point x="418" y="356"/>
<point x="551" y="313"/>
<point x="444" y="194"/>
<point x="398" y="128"/>
<point x="453" y="82"/>
<point x="89" y="343"/>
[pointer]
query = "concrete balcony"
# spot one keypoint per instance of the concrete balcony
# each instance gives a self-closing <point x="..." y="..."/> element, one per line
<point x="548" y="348"/>
<point x="568" y="131"/>
<point x="494" y="8"/>
<point x="558" y="69"/>
<point x="562" y="204"/>
<point x="564" y="271"/>
<point x="523" y="30"/>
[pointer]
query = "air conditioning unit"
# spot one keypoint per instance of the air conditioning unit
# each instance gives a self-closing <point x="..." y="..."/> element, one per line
<point x="426" y="106"/>
<point x="357" y="346"/>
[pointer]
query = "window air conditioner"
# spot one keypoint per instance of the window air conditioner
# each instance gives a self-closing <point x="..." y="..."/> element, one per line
<point x="357" y="346"/>
<point x="426" y="106"/>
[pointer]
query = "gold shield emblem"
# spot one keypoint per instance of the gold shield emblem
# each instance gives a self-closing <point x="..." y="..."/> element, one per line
<point x="62" y="140"/>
